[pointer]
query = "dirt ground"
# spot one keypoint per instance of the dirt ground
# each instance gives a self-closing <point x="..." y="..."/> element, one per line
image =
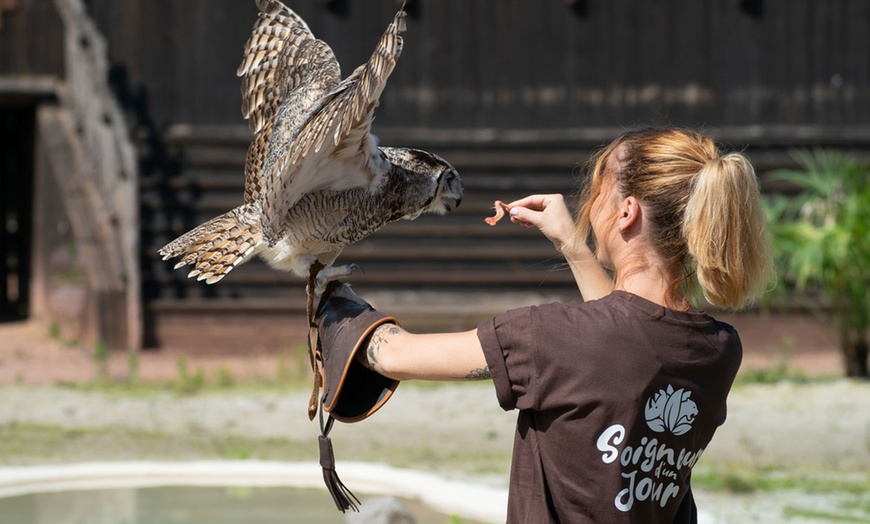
<point x="818" y="428"/>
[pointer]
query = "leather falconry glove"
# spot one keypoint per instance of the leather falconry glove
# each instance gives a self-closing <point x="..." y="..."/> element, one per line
<point x="351" y="391"/>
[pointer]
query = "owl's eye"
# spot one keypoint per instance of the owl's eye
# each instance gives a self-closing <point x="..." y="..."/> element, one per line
<point x="449" y="176"/>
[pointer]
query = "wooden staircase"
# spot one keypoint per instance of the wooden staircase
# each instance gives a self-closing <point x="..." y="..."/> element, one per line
<point x="434" y="273"/>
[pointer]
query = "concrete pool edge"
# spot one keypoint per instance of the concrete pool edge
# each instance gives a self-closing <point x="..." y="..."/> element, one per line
<point x="464" y="499"/>
<point x="452" y="497"/>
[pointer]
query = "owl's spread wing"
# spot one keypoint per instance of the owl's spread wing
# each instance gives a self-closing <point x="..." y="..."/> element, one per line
<point x="305" y="159"/>
<point x="280" y="57"/>
<point x="348" y="110"/>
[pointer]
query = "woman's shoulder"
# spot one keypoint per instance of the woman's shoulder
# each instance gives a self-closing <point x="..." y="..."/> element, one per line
<point x="595" y="315"/>
<point x="616" y="304"/>
<point x="621" y="312"/>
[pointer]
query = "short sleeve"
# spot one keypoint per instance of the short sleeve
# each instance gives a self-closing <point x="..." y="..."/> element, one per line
<point x="506" y="341"/>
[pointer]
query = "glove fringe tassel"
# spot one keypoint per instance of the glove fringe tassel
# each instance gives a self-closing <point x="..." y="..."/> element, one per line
<point x="343" y="497"/>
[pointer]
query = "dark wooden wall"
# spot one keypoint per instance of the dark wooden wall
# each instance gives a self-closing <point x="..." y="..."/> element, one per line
<point x="502" y="64"/>
<point x="31" y="39"/>
<point x="515" y="93"/>
<point x="529" y="63"/>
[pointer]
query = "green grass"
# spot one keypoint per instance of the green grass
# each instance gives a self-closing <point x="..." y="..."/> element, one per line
<point x="773" y="374"/>
<point x="741" y="481"/>
<point x="101" y="358"/>
<point x="27" y="444"/>
<point x="22" y="444"/>
<point x="55" y="332"/>
<point x="822" y="515"/>
<point x="779" y="371"/>
<point x="846" y="496"/>
<point x="292" y="374"/>
<point x="195" y="383"/>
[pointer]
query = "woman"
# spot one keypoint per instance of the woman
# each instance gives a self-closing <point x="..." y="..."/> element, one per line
<point x="619" y="395"/>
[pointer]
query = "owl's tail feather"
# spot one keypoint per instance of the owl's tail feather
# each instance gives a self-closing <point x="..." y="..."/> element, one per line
<point x="217" y="246"/>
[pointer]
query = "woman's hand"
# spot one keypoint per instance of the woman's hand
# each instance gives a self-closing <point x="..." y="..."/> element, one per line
<point x="549" y="214"/>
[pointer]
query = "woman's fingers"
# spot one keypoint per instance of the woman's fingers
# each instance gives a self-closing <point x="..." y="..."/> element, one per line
<point x="533" y="209"/>
<point x="536" y="202"/>
<point x="546" y="212"/>
<point x="525" y="216"/>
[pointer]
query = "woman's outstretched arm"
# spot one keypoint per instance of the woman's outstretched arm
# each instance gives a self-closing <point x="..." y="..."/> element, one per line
<point x="400" y="355"/>
<point x="551" y="216"/>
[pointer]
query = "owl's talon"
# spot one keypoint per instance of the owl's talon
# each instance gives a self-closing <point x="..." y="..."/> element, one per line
<point x="330" y="273"/>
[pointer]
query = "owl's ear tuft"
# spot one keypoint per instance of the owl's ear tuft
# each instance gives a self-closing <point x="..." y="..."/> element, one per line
<point x="423" y="157"/>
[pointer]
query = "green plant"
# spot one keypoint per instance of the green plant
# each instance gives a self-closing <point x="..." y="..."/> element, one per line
<point x="54" y="330"/>
<point x="302" y="364"/>
<point x="283" y="374"/>
<point x="224" y="378"/>
<point x="821" y="240"/>
<point x="234" y="448"/>
<point x="188" y="382"/>
<point x="790" y="512"/>
<point x="132" y="368"/>
<point x="778" y="370"/>
<point x="101" y="357"/>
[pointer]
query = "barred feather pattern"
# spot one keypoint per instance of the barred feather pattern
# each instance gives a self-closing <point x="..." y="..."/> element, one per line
<point x="340" y="218"/>
<point x="219" y="245"/>
<point x="278" y="31"/>
<point x="280" y="56"/>
<point x="324" y="222"/>
<point x="344" y="115"/>
<point x="312" y="73"/>
<point x="356" y="98"/>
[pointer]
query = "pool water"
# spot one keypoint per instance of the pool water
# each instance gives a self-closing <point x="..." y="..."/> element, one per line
<point x="188" y="505"/>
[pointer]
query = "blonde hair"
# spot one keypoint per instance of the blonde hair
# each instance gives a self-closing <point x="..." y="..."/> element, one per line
<point x="703" y="208"/>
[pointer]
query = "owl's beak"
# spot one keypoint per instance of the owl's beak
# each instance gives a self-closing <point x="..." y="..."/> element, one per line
<point x="452" y="203"/>
<point x="452" y="189"/>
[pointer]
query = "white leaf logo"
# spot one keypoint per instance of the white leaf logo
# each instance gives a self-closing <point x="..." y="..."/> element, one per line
<point x="671" y="410"/>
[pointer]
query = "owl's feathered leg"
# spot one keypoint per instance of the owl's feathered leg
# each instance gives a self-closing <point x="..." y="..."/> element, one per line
<point x="313" y="271"/>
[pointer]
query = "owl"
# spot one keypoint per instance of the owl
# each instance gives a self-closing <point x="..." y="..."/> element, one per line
<point x="315" y="178"/>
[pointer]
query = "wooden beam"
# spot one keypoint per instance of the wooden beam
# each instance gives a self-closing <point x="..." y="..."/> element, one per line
<point x="7" y="5"/>
<point x="760" y="134"/>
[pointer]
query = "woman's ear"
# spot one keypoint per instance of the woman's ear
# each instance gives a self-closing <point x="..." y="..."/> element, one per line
<point x="629" y="214"/>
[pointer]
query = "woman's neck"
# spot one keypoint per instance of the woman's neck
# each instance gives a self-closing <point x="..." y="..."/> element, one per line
<point x="651" y="283"/>
<point x="640" y="271"/>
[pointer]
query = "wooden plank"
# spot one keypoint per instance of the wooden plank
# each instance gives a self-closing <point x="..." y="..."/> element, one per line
<point x="103" y="280"/>
<point x="470" y="63"/>
<point x="394" y="277"/>
<point x="31" y="40"/>
<point x="27" y="90"/>
<point x="857" y="70"/>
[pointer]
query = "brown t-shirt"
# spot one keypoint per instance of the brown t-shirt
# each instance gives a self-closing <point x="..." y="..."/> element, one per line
<point x="618" y="398"/>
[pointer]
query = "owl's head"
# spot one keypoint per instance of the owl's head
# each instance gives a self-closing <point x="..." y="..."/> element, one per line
<point x="437" y="180"/>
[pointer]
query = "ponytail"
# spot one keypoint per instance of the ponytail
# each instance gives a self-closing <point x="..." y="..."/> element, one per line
<point x="703" y="208"/>
<point x="724" y="228"/>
